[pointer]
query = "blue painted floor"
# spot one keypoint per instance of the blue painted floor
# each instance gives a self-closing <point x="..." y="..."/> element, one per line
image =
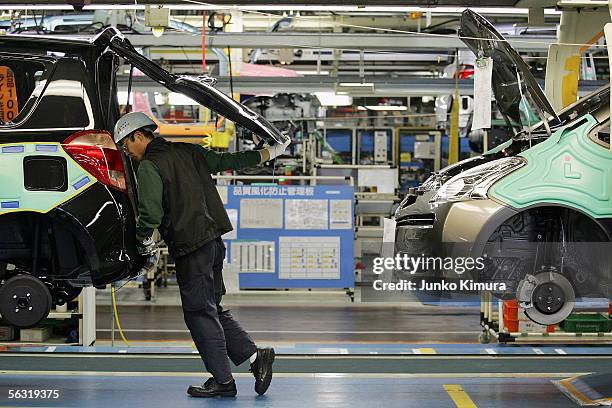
<point x="354" y="348"/>
<point x="287" y="392"/>
<point x="301" y="390"/>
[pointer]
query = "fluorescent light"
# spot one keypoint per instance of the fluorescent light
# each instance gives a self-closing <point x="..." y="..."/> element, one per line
<point x="35" y="7"/>
<point x="383" y="108"/>
<point x="195" y="5"/>
<point x="180" y="99"/>
<point x="122" y="96"/>
<point x="311" y="72"/>
<point x="333" y="99"/>
<point x="173" y="99"/>
<point x="356" y="84"/>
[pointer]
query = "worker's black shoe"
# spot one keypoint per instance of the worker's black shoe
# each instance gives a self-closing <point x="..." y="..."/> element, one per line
<point x="262" y="369"/>
<point x="211" y="388"/>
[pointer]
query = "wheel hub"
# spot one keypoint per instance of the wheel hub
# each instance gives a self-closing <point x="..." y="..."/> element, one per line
<point x="548" y="298"/>
<point x="23" y="302"/>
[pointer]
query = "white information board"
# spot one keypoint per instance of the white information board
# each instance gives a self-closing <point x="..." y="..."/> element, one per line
<point x="261" y="213"/>
<point x="340" y="214"/>
<point x="309" y="257"/>
<point x="222" y="190"/>
<point x="253" y="256"/>
<point x="385" y="180"/>
<point x="232" y="214"/>
<point x="306" y="214"/>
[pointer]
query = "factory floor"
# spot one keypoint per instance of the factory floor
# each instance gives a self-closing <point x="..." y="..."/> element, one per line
<point x="295" y="316"/>
<point x="123" y="377"/>
<point x="293" y="391"/>
<point x="330" y="353"/>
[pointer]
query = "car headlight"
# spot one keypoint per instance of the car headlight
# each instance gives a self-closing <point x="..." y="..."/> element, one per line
<point x="433" y="182"/>
<point x="475" y="183"/>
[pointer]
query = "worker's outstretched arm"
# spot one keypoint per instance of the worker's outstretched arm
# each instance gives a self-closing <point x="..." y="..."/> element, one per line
<point x="218" y="162"/>
<point x="150" y="192"/>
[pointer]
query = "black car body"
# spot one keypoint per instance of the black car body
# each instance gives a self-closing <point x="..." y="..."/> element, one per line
<point x="54" y="237"/>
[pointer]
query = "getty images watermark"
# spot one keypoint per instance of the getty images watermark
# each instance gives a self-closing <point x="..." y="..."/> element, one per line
<point x="417" y="265"/>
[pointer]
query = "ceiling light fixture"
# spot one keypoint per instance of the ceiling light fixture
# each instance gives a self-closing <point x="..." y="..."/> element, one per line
<point x="311" y="72"/>
<point x="276" y="7"/>
<point x="356" y="84"/>
<point x="383" y="108"/>
<point x="333" y="99"/>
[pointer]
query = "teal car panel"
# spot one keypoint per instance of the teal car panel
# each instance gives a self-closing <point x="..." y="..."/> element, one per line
<point x="568" y="169"/>
<point x="13" y="194"/>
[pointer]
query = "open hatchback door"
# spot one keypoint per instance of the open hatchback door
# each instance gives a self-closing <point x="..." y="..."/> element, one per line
<point x="516" y="91"/>
<point x="198" y="88"/>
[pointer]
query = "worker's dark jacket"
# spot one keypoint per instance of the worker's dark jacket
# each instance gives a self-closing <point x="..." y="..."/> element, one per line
<point x="178" y="196"/>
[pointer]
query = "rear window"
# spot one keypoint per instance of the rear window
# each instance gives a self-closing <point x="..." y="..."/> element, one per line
<point x="18" y="80"/>
<point x="48" y="93"/>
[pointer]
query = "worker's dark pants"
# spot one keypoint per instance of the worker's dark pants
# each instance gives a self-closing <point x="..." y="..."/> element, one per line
<point x="215" y="332"/>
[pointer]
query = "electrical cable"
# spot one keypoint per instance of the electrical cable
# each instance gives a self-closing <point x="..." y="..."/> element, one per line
<point x="231" y="72"/>
<point x="36" y="23"/>
<point x="117" y="316"/>
<point x="188" y="59"/>
<point x="128" y="107"/>
<point x="440" y="24"/>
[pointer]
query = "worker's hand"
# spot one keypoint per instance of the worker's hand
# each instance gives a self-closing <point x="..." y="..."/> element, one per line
<point x="277" y="149"/>
<point x="146" y="247"/>
<point x="150" y="263"/>
<point x="256" y="139"/>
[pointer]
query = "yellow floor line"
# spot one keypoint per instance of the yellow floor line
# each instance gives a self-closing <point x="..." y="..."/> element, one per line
<point x="426" y="350"/>
<point x="459" y="397"/>
<point x="567" y="383"/>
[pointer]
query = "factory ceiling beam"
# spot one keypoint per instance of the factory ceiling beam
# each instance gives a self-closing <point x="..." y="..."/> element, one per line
<point x="368" y="86"/>
<point x="361" y="3"/>
<point x="406" y="42"/>
<point x="311" y="84"/>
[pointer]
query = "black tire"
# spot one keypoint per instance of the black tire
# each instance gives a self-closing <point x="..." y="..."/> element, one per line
<point x="25" y="301"/>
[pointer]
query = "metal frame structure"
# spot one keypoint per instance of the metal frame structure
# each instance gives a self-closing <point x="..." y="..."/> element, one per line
<point x="363" y="41"/>
<point x="323" y="83"/>
<point x="492" y="322"/>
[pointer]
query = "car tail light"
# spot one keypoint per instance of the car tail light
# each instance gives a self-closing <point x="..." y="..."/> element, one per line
<point x="96" y="152"/>
<point x="466" y="74"/>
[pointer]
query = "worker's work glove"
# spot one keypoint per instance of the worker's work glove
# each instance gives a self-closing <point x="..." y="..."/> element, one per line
<point x="277" y="149"/>
<point x="256" y="139"/>
<point x="150" y="263"/>
<point x="146" y="247"/>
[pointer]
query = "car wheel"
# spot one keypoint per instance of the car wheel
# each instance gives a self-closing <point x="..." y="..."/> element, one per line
<point x="24" y="301"/>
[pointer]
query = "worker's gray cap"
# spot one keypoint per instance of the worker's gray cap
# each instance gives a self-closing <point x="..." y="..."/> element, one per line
<point x="132" y="122"/>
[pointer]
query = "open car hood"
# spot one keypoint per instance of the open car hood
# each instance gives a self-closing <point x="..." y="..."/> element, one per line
<point x="484" y="41"/>
<point x="199" y="89"/>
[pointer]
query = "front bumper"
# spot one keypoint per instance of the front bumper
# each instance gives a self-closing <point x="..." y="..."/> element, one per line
<point x="454" y="229"/>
